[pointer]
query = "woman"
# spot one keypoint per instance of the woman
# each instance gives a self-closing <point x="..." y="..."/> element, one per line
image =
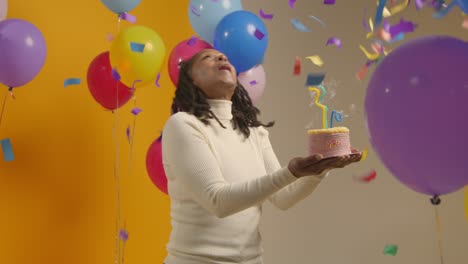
<point x="221" y="167"/>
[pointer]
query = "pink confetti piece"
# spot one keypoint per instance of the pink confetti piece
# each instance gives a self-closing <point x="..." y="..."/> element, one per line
<point x="110" y="37"/>
<point x="329" y="2"/>
<point x="128" y="17"/>
<point x="334" y="41"/>
<point x="192" y="41"/>
<point x="258" y="34"/>
<point x="123" y="234"/>
<point x="115" y="74"/>
<point x="254" y="82"/>
<point x="136" y="110"/>
<point x="366" y="178"/>
<point x="157" y="80"/>
<point x="264" y="15"/>
<point x="291" y="3"/>
<point x="465" y="23"/>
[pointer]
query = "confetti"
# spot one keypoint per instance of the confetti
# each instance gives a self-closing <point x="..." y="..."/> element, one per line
<point x="128" y="17"/>
<point x="192" y="41"/>
<point x="366" y="178"/>
<point x="314" y="79"/>
<point x="136" y="111"/>
<point x="264" y="15"/>
<point x="334" y="41"/>
<point x="360" y="75"/>
<point x="329" y="2"/>
<point x="365" y="153"/>
<point x="364" y="23"/>
<point x="254" y="82"/>
<point x="390" y="250"/>
<point x="137" y="47"/>
<point x="444" y="11"/>
<point x="419" y="4"/>
<point x="397" y="38"/>
<point x="123" y="234"/>
<point x="297" y="66"/>
<point x="157" y="80"/>
<point x="127" y="132"/>
<point x="379" y="12"/>
<point x="465" y="23"/>
<point x="315" y="60"/>
<point x="258" y="34"/>
<point x="402" y="27"/>
<point x="317" y="19"/>
<point x="110" y="37"/>
<point x="299" y="26"/>
<point x="400" y="7"/>
<point x="386" y="12"/>
<point x="115" y="74"/>
<point x="71" y="81"/>
<point x="7" y="149"/>
<point x="291" y="3"/>
<point x="194" y="10"/>
<point x="368" y="55"/>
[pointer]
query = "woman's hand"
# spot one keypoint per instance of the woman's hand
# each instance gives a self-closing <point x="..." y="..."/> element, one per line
<point x="315" y="164"/>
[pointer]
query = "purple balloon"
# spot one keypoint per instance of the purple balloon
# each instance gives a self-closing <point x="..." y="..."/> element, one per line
<point x="416" y="109"/>
<point x="22" y="52"/>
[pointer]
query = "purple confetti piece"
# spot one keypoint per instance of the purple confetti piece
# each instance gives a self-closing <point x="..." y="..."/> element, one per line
<point x="258" y="34"/>
<point x="334" y="41"/>
<point x="130" y="18"/>
<point x="264" y="15"/>
<point x="191" y="42"/>
<point x="128" y="133"/>
<point x="402" y="27"/>
<point x="329" y="2"/>
<point x="194" y="10"/>
<point x="364" y="20"/>
<point x="160" y="138"/>
<point x="254" y="82"/>
<point x="115" y="74"/>
<point x="386" y="25"/>
<point x="291" y="3"/>
<point x="157" y="80"/>
<point x="419" y="4"/>
<point x="123" y="234"/>
<point x="133" y="85"/>
<point x="136" y="110"/>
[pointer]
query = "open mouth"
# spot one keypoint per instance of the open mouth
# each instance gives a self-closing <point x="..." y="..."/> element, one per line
<point x="224" y="67"/>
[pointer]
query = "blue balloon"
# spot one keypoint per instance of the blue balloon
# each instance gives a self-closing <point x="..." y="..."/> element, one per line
<point x="121" y="6"/>
<point x="243" y="38"/>
<point x="205" y="15"/>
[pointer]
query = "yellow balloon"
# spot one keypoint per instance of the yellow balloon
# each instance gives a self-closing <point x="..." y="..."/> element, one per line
<point x="466" y="203"/>
<point x="137" y="53"/>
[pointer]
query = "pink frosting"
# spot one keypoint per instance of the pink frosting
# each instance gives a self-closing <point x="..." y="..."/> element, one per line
<point x="329" y="144"/>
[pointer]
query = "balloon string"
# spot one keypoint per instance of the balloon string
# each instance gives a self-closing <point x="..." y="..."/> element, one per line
<point x="132" y="137"/>
<point x="436" y="201"/>
<point x="117" y="179"/>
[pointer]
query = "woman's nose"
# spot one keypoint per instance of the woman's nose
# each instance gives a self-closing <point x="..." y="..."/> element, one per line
<point x="222" y="57"/>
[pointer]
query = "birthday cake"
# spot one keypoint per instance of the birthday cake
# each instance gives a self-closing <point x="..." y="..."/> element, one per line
<point x="330" y="142"/>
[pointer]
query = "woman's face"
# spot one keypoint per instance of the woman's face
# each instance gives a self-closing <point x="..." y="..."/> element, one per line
<point x="214" y="74"/>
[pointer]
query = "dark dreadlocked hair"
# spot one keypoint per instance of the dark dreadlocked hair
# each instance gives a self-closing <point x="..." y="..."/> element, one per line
<point x="190" y="98"/>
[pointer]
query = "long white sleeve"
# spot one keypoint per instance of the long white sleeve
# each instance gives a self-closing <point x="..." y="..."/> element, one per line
<point x="294" y="192"/>
<point x="188" y="155"/>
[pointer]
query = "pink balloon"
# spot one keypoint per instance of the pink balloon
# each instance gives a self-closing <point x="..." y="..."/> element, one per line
<point x="155" y="167"/>
<point x="184" y="51"/>
<point x="254" y="81"/>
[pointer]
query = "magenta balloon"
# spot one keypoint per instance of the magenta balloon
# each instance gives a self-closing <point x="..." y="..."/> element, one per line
<point x="254" y="81"/>
<point x="184" y="51"/>
<point x="22" y="52"/>
<point x="154" y="165"/>
<point x="416" y="108"/>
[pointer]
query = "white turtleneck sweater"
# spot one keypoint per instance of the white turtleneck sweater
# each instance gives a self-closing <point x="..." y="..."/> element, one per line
<point x="217" y="183"/>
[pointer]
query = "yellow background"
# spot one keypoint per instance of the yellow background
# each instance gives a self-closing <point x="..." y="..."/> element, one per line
<point x="58" y="198"/>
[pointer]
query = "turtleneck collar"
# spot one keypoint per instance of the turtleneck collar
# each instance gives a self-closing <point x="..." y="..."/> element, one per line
<point x="221" y="108"/>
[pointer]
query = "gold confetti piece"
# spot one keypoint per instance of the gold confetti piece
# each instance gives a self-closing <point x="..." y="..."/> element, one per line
<point x="365" y="152"/>
<point x="371" y="24"/>
<point x="368" y="55"/>
<point x="315" y="60"/>
<point x="369" y="35"/>
<point x="386" y="13"/>
<point x="399" y="8"/>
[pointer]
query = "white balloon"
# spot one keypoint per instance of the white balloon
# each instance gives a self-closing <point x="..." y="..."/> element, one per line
<point x="3" y="9"/>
